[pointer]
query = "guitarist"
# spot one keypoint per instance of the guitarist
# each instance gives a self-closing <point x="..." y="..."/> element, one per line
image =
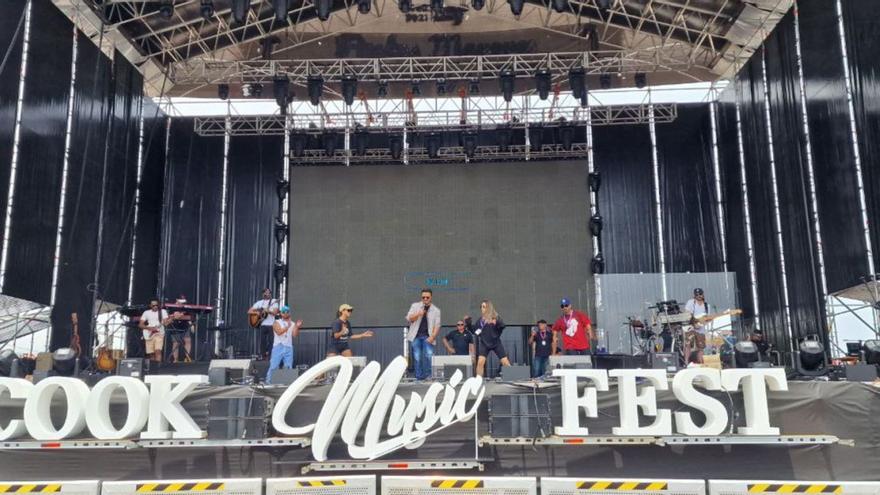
<point x="153" y="322"/>
<point x="264" y="310"/>
<point x="695" y="340"/>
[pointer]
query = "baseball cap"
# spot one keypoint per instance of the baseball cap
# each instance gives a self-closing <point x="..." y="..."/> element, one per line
<point x="285" y="309"/>
<point x="698" y="291"/>
<point x="343" y="307"/>
<point x="564" y="302"/>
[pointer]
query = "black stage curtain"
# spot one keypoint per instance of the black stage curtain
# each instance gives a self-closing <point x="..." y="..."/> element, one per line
<point x="11" y="37"/>
<point x="692" y="238"/>
<point x="149" y="222"/>
<point x="255" y="166"/>
<point x="622" y="155"/>
<point x="191" y="227"/>
<point x="40" y="155"/>
<point x="833" y="159"/>
<point x="806" y="301"/>
<point x="761" y="212"/>
<point x="83" y="200"/>
<point x="863" y="47"/>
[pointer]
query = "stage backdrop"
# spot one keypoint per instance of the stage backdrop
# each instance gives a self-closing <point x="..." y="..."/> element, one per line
<point x="372" y="237"/>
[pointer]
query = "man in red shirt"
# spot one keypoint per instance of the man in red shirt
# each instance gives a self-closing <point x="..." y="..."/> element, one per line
<point x="576" y="330"/>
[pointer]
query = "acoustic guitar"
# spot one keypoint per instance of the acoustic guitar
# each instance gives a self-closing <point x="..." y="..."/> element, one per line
<point x="256" y="319"/>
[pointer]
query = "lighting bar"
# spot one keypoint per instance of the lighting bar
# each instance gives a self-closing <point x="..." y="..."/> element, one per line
<point x="658" y="206"/>
<point x="221" y="265"/>
<point x="750" y="242"/>
<point x="719" y="197"/>
<point x="137" y="201"/>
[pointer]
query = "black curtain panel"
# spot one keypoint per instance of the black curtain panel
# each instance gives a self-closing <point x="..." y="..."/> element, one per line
<point x="806" y="300"/>
<point x="833" y="158"/>
<point x="622" y="155"/>
<point x="12" y="16"/>
<point x="255" y="166"/>
<point x="190" y="251"/>
<point x="40" y="156"/>
<point x="863" y="47"/>
<point x="691" y="237"/>
<point x="79" y="246"/>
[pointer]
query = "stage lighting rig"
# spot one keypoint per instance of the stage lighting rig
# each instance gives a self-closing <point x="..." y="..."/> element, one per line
<point x="267" y="45"/>
<point x="281" y="188"/>
<point x="416" y="88"/>
<point x="281" y="231"/>
<point x="166" y="9"/>
<point x="478" y="4"/>
<point x="745" y="353"/>
<point x="474" y="86"/>
<point x="810" y="358"/>
<point x="364" y="6"/>
<point x="64" y="362"/>
<point x="505" y="137"/>
<point x="395" y="146"/>
<point x="469" y="141"/>
<point x="207" y="9"/>
<point x="240" y="10"/>
<point x="298" y="142"/>
<point x="432" y="143"/>
<point x="315" y="88"/>
<point x="404" y="5"/>
<point x="605" y="81"/>
<point x="281" y="87"/>
<point x="516" y="7"/>
<point x="604" y="5"/>
<point x="223" y="91"/>
<point x="577" y="81"/>
<point x="596" y="224"/>
<point x="595" y="180"/>
<point x="641" y="80"/>
<point x="566" y="136"/>
<point x="543" y="80"/>
<point x="328" y="140"/>
<point x="256" y="90"/>
<point x="441" y="87"/>
<point x="361" y="139"/>
<point x="280" y="7"/>
<point x="323" y="8"/>
<point x="559" y="5"/>
<point x="279" y="273"/>
<point x="349" y="88"/>
<point x="597" y="264"/>
<point x="507" y="78"/>
<point x="536" y="137"/>
<point x="382" y="88"/>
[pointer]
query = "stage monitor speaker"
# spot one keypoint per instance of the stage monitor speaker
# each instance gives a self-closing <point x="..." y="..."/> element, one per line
<point x="665" y="361"/>
<point x="520" y="427"/>
<point x="133" y="367"/>
<point x="238" y="370"/>
<point x="244" y="418"/>
<point x="237" y="428"/>
<point x="239" y="407"/>
<point x="442" y="367"/>
<point x="44" y="362"/>
<point x="284" y="376"/>
<point x="570" y="362"/>
<point x="516" y="373"/>
<point x="519" y="405"/>
<point x="218" y="377"/>
<point x="520" y="415"/>
<point x="861" y="373"/>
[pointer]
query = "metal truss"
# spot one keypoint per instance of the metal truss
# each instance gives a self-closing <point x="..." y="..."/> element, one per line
<point x="446" y="154"/>
<point x="428" y="120"/>
<point x="673" y="440"/>
<point x="407" y="465"/>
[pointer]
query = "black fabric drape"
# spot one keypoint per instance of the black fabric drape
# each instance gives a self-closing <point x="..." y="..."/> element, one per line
<point x="761" y="211"/>
<point x="691" y="238"/>
<point x="82" y="203"/>
<point x="255" y="166"/>
<point x="622" y="156"/>
<point x="149" y="223"/>
<point x="863" y="47"/>
<point x="11" y="15"/>
<point x="190" y="232"/>
<point x="806" y="301"/>
<point x="833" y="158"/>
<point x="40" y="155"/>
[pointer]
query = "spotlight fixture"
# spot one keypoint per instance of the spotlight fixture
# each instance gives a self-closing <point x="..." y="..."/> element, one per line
<point x="469" y="142"/>
<point x="478" y="4"/>
<point x="536" y="137"/>
<point x="416" y="88"/>
<point x="437" y="7"/>
<point x="328" y="140"/>
<point x="315" y="87"/>
<point x="240" y="10"/>
<point x="281" y="231"/>
<point x="604" y="5"/>
<point x="298" y="143"/>
<point x="566" y="136"/>
<point x="323" y="8"/>
<point x="281" y="90"/>
<point x="256" y="90"/>
<point x="505" y="136"/>
<point x="543" y="80"/>
<point x="349" y="88"/>
<point x="585" y="99"/>
<point x="605" y="81"/>
<point x="433" y="142"/>
<point x="597" y="264"/>
<point x="474" y="86"/>
<point x="64" y="362"/>
<point x="364" y="6"/>
<point x="745" y="353"/>
<point x="281" y="188"/>
<point x="279" y="273"/>
<point x="361" y="139"/>
<point x="404" y="5"/>
<point x="207" y="9"/>
<point x="641" y="80"/>
<point x="516" y="7"/>
<point x="595" y="180"/>
<point x="507" y="78"/>
<point x="576" y="81"/>
<point x="223" y="91"/>
<point x="382" y="88"/>
<point x="441" y="86"/>
<point x="810" y="359"/>
<point x="559" y="5"/>
<point x="596" y="224"/>
<point x="280" y="7"/>
<point x="166" y="9"/>
<point x="267" y="45"/>
<point x="395" y="145"/>
<point x="871" y="349"/>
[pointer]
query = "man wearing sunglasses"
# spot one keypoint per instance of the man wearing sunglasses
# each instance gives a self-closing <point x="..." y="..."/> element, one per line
<point x="424" y="325"/>
<point x="459" y="342"/>
<point x="577" y="330"/>
<point x="153" y="322"/>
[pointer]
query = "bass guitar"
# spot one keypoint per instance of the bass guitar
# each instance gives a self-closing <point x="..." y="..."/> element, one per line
<point x="105" y="361"/>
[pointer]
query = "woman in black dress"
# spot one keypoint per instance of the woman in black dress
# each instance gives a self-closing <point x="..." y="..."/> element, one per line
<point x="488" y="331"/>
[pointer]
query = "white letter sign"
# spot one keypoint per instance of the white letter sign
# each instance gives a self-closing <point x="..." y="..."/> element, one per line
<point x="571" y="403"/>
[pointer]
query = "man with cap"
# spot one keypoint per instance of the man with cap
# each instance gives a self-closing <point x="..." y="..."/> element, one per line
<point x="284" y="331"/>
<point x="576" y="327"/>
<point x="423" y="318"/>
<point x="695" y="340"/>
<point x="340" y="332"/>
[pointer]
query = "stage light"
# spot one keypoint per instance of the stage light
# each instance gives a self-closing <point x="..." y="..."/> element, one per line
<point x="433" y="142"/>
<point x="516" y="7"/>
<point x="507" y="78"/>
<point x="536" y="137"/>
<point x="576" y="81"/>
<point x="566" y="137"/>
<point x="595" y="180"/>
<point x="281" y="90"/>
<point x="281" y="231"/>
<point x="810" y="359"/>
<point x="404" y="5"/>
<point x="281" y="188"/>
<point x="64" y="361"/>
<point x="604" y="4"/>
<point x="361" y="139"/>
<point x="585" y="99"/>
<point x="641" y="80"/>
<point x="597" y="264"/>
<point x="323" y="8"/>
<point x="256" y="90"/>
<point x="474" y="86"/>
<point x="315" y="88"/>
<point x="542" y="83"/>
<point x="298" y="143"/>
<point x="395" y="145"/>
<point x="382" y="88"/>
<point x="441" y="87"/>
<point x="505" y="136"/>
<point x="478" y="4"/>
<point x="166" y="9"/>
<point x="437" y="7"/>
<point x="240" y="10"/>
<point x="605" y="81"/>
<point x="207" y="9"/>
<point x="267" y="45"/>
<point x="872" y="351"/>
<point x="416" y="88"/>
<point x="223" y="91"/>
<point x="9" y="363"/>
<point x="349" y="88"/>
<point x="559" y="5"/>
<point x="745" y="353"/>
<point x="328" y="140"/>
<point x="364" y="6"/>
<point x="280" y="7"/>
<point x="596" y="225"/>
<point x="279" y="273"/>
<point x="469" y="142"/>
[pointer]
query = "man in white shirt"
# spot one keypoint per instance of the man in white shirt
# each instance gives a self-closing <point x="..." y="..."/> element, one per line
<point x="267" y="304"/>
<point x="153" y="323"/>
<point x="284" y="331"/>
<point x="424" y="325"/>
<point x="696" y="336"/>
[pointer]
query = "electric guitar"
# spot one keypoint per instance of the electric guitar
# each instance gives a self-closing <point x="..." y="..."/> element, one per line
<point x="709" y="317"/>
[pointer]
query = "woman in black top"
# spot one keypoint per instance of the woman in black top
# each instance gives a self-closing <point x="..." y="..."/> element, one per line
<point x="488" y="331"/>
<point x="340" y="332"/>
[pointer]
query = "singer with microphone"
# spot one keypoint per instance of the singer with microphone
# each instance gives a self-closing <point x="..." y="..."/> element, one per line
<point x="423" y="318"/>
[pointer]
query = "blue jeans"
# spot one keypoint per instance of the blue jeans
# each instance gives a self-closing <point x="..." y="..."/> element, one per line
<point x="539" y="366"/>
<point x="279" y="353"/>
<point x="423" y="352"/>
